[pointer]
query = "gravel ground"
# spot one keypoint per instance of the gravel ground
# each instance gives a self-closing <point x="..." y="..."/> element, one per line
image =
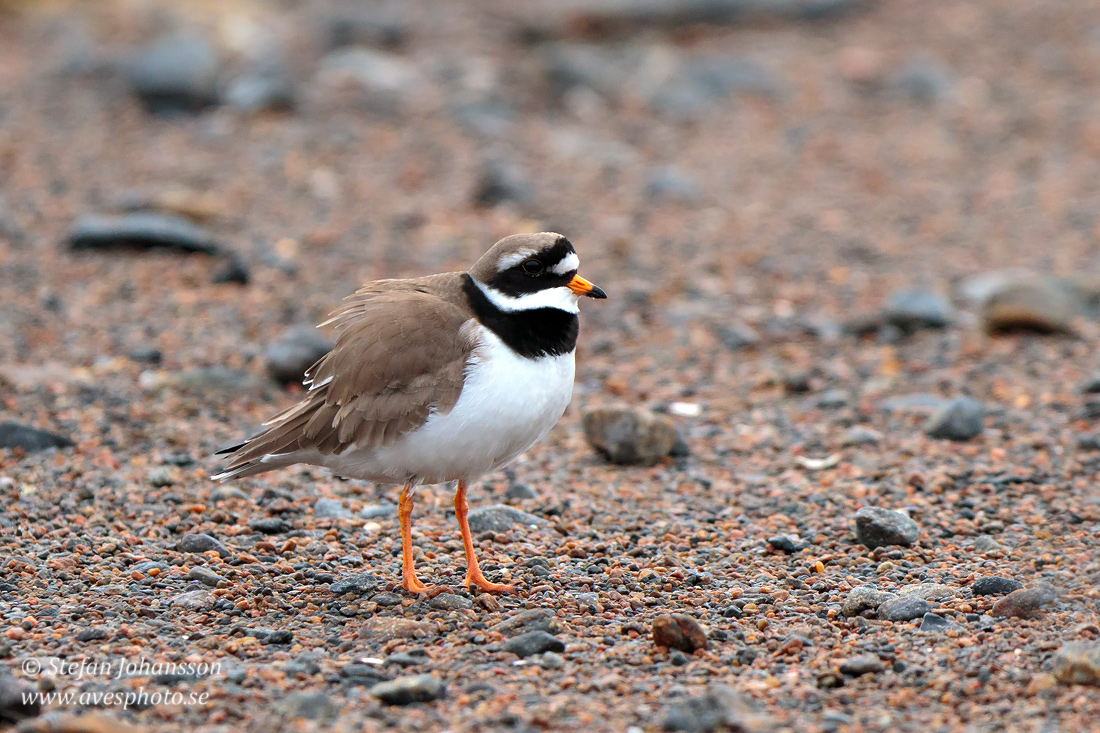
<point x="852" y="256"/>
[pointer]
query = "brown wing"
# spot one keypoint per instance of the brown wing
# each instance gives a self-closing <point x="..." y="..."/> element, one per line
<point x="401" y="353"/>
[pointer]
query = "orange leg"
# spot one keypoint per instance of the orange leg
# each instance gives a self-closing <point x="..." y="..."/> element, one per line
<point x="408" y="573"/>
<point x="473" y="571"/>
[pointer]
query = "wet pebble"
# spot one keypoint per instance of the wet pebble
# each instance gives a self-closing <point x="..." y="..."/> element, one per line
<point x="358" y="584"/>
<point x="934" y="623"/>
<point x="876" y="527"/>
<point x="269" y="525"/>
<point x="679" y="631"/>
<point x="532" y="619"/>
<point x="410" y="689"/>
<point x="629" y="436"/>
<point x="785" y="543"/>
<point x="450" y="602"/>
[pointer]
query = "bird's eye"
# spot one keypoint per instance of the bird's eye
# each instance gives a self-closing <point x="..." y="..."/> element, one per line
<point x="532" y="267"/>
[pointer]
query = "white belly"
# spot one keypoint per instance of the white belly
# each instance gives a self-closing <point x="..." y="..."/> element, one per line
<point x="507" y="404"/>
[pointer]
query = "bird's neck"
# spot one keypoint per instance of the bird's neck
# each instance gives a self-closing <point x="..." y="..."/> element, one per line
<point x="530" y="332"/>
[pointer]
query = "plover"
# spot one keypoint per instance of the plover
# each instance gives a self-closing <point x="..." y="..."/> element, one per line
<point x="434" y="379"/>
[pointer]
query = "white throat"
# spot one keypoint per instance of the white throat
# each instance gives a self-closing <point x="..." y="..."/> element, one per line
<point x="561" y="298"/>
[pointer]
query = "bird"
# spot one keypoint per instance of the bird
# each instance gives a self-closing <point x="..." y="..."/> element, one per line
<point x="436" y="379"/>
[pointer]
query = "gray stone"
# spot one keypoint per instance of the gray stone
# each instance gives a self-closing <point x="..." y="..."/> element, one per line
<point x="385" y="79"/>
<point x="719" y="708"/>
<point x="985" y="543"/>
<point x="330" y="509"/>
<point x="629" y="436"/>
<point x="14" y="435"/>
<point x="927" y="591"/>
<point x="1026" y="602"/>
<point x="904" y="609"/>
<point x="500" y="518"/>
<point x="269" y="525"/>
<point x="145" y="566"/>
<point x="934" y="623"/>
<point x="95" y="633"/>
<point x="859" y="435"/>
<point x="17" y="700"/>
<point x="175" y="73"/>
<point x="205" y="576"/>
<point x="914" y="403"/>
<point x="499" y="182"/>
<point x="195" y="600"/>
<point x="279" y="636"/>
<point x="912" y="310"/>
<point x="532" y="619"/>
<point x="315" y="705"/>
<point x="378" y="511"/>
<point x="450" y="602"/>
<point x="358" y="584"/>
<point x="1077" y="663"/>
<point x="520" y="492"/>
<point x="960" y="419"/>
<point x="785" y="543"/>
<point x="264" y="85"/>
<point x="1029" y="302"/>
<point x="295" y="351"/>
<point x="199" y="543"/>
<point x="215" y="380"/>
<point x="551" y="660"/>
<point x="864" y="598"/>
<point x="995" y="585"/>
<point x="533" y="642"/>
<point x="877" y="527"/>
<point x="160" y="476"/>
<point x="410" y="689"/>
<point x="862" y="664"/>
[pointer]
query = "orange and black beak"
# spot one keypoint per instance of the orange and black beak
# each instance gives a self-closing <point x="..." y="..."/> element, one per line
<point x="580" y="286"/>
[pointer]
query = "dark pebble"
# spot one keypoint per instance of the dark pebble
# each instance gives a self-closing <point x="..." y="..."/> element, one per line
<point x="176" y="73"/>
<point x="95" y="633"/>
<point x="279" y="636"/>
<point x="269" y="525"/>
<point x="200" y="543"/>
<point x="876" y="527"/>
<point x="785" y="543"/>
<point x="499" y="518"/>
<point x="358" y="584"/>
<point x="960" y="419"/>
<point x="994" y="585"/>
<point x="233" y="270"/>
<point x="533" y="642"/>
<point x="306" y="705"/>
<point x="679" y="631"/>
<point x="519" y="492"/>
<point x="14" y="435"/>
<point x="17" y="701"/>
<point x="145" y="230"/>
<point x="933" y="622"/>
<point x="905" y="608"/>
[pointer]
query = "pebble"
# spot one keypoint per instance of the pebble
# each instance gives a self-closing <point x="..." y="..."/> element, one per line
<point x="200" y="542"/>
<point x="14" y="703"/>
<point x="1026" y="602"/>
<point x="859" y="435"/>
<point x="358" y="584"/>
<point x="160" y="477"/>
<point x="532" y="619"/>
<point x="266" y="85"/>
<point x="205" y="576"/>
<point x="905" y="608"/>
<point x="450" y="602"/>
<point x="912" y="310"/>
<point x="95" y="633"/>
<point x="30" y="440"/>
<point x="315" y="705"/>
<point x="499" y="182"/>
<point x="934" y="623"/>
<point x="985" y="543"/>
<point x="279" y="636"/>
<point x="385" y="80"/>
<point x="864" y="598"/>
<point x="533" y="642"/>
<point x="407" y="659"/>
<point x="1028" y="302"/>
<point x="233" y="270"/>
<point x="719" y="708"/>
<point x="1077" y="663"/>
<point x="175" y="73"/>
<point x="376" y="25"/>
<point x="295" y="351"/>
<point x="995" y="585"/>
<point x="551" y="660"/>
<point x="960" y="419"/>
<point x="269" y="525"/>
<point x="862" y="664"/>
<point x="927" y="591"/>
<point x="387" y="599"/>
<point x="877" y="527"/>
<point x="378" y="511"/>
<point x="330" y="509"/>
<point x="519" y="492"/>
<point x="679" y="631"/>
<point x="410" y="689"/>
<point x="141" y="230"/>
<point x="500" y="518"/>
<point x="785" y="543"/>
<point x="629" y="436"/>
<point x="195" y="600"/>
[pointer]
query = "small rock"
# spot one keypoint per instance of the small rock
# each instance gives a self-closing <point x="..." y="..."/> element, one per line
<point x="1030" y="303"/>
<point x="532" y="619"/>
<point x="985" y="543"/>
<point x="176" y="73"/>
<point x="679" y="631"/>
<point x="95" y="633"/>
<point x="279" y="636"/>
<point x="384" y="80"/>
<point x="500" y="182"/>
<point x="233" y="270"/>
<point x="629" y="436"/>
<point x="308" y="705"/>
<point x="1077" y="663"/>
<point x="500" y="518"/>
<point x="330" y="509"/>
<point x="927" y="591"/>
<point x="912" y="310"/>
<point x="17" y="700"/>
<point x="386" y="599"/>
<point x="160" y="477"/>
<point x="833" y="399"/>
<point x="960" y="419"/>
<point x="145" y="566"/>
<point x="288" y="358"/>
<point x="357" y="673"/>
<point x="205" y="576"/>
<point x="269" y="525"/>
<point x="533" y="642"/>
<point x="1026" y="602"/>
<point x="200" y="543"/>
<point x="146" y="355"/>
<point x="407" y="659"/>
<point x="410" y="689"/>
<point x="994" y="585"/>
<point x="785" y="543"/>
<point x="14" y="435"/>
<point x="520" y="492"/>
<point x="378" y="511"/>
<point x="876" y="527"/>
<point x="195" y="600"/>
<point x="266" y="85"/>
<point x="357" y="584"/>
<point x="143" y="230"/>
<point x="904" y="609"/>
<point x="862" y="664"/>
<point x="864" y="598"/>
<point x="720" y="708"/>
<point x="735" y="335"/>
<point x="859" y="435"/>
<point x="934" y="623"/>
<point x="450" y="602"/>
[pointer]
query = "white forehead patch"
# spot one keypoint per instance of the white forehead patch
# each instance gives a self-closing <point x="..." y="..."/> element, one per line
<point x="514" y="259"/>
<point x="568" y="263"/>
<point x="561" y="298"/>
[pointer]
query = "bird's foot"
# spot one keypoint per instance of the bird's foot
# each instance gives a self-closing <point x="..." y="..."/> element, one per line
<point x="480" y="581"/>
<point x="417" y="588"/>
